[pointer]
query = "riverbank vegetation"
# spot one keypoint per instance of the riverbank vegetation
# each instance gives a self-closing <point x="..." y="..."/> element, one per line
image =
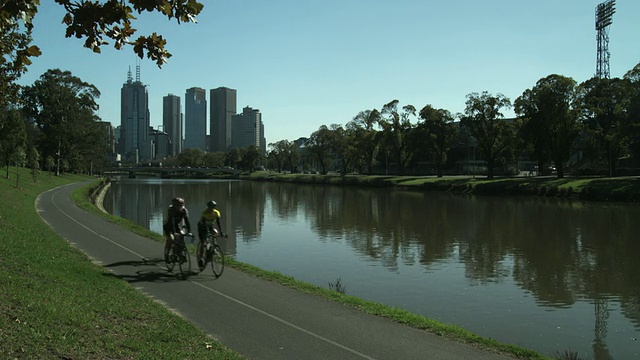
<point x="57" y="304"/>
<point x="583" y="188"/>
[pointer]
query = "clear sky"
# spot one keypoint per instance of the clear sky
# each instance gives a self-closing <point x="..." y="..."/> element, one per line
<point x="304" y="64"/>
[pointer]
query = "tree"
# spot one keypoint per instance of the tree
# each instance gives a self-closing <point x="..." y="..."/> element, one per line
<point x="214" y="159"/>
<point x="438" y="132"/>
<point x="342" y="146"/>
<point x="33" y="162"/>
<point x="633" y="78"/>
<point x="19" y="157"/>
<point x="604" y="105"/>
<point x="550" y="119"/>
<point x="49" y="164"/>
<point x="12" y="137"/>
<point x="397" y="126"/>
<point x="191" y="157"/>
<point x="484" y="121"/>
<point x="292" y="156"/>
<point x="233" y="157"/>
<point x="319" y="147"/>
<point x="251" y="158"/>
<point x="15" y="50"/>
<point x="97" y="22"/>
<point x="276" y="155"/>
<point x="63" y="107"/>
<point x="365" y="136"/>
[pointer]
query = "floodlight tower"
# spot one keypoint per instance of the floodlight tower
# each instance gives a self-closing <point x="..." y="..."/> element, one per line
<point x="604" y="13"/>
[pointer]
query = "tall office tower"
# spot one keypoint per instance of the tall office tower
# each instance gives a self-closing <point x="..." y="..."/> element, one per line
<point x="263" y="144"/>
<point x="110" y="139"/>
<point x="135" y="145"/>
<point x="246" y="129"/>
<point x="172" y="122"/>
<point x="195" y="118"/>
<point x="223" y="107"/>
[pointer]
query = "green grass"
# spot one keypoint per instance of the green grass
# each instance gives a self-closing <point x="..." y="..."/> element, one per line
<point x="55" y="303"/>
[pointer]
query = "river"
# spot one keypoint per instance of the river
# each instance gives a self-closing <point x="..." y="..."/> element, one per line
<point x="548" y="274"/>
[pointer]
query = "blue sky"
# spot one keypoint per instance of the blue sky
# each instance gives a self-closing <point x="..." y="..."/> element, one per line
<point x="304" y="64"/>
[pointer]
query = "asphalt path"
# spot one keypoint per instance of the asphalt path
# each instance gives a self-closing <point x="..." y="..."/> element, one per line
<point x="258" y="319"/>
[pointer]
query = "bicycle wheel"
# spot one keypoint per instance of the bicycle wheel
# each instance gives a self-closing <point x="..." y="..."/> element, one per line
<point x="201" y="256"/>
<point x="217" y="260"/>
<point x="169" y="258"/>
<point x="184" y="261"/>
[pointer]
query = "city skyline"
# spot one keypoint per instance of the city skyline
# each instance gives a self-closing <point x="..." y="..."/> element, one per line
<point x="335" y="59"/>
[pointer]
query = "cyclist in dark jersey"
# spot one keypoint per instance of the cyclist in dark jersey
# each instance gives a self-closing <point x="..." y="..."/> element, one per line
<point x="176" y="215"/>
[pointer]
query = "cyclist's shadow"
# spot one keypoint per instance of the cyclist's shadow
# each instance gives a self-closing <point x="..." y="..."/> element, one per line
<point x="152" y="274"/>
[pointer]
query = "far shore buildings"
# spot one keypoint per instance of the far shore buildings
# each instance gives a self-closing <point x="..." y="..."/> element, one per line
<point x="195" y="119"/>
<point x="137" y="142"/>
<point x="134" y="144"/>
<point x="223" y="107"/>
<point x="247" y="130"/>
<point x="172" y="122"/>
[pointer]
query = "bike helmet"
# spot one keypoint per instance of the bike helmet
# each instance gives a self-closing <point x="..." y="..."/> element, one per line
<point x="177" y="201"/>
<point x="211" y="204"/>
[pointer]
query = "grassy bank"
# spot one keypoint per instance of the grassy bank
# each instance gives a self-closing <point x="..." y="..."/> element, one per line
<point x="56" y="304"/>
<point x="593" y="189"/>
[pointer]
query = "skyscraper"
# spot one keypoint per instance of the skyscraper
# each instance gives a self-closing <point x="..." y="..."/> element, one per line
<point x="135" y="145"/>
<point x="172" y="122"/>
<point x="223" y="107"/>
<point x="246" y="129"/>
<point x="195" y="118"/>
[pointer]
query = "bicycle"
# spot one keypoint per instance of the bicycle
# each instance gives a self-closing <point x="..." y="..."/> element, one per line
<point x="178" y="253"/>
<point x="210" y="252"/>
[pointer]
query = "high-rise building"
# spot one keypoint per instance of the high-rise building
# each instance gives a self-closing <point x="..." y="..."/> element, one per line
<point x="247" y="129"/>
<point x="172" y="122"/>
<point x="110" y="139"/>
<point x="223" y="107"/>
<point x="134" y="142"/>
<point x="195" y="119"/>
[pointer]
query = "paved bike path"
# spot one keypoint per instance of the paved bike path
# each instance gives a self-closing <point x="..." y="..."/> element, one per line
<point x="257" y="318"/>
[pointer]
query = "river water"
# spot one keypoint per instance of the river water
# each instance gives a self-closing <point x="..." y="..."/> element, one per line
<point x="548" y="274"/>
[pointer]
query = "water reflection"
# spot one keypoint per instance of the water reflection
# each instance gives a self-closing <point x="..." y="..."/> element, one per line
<point x="577" y="261"/>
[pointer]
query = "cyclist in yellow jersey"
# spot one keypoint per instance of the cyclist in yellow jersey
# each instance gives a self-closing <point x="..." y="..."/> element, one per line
<point x="208" y="218"/>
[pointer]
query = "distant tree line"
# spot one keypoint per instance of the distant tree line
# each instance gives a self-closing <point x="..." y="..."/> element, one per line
<point x="598" y="119"/>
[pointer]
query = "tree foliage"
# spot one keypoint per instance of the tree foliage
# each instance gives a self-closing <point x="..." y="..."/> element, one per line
<point x="550" y="119"/>
<point x="63" y="107"/>
<point x="365" y="137"/>
<point x="15" y="50"/>
<point x="484" y="121"/>
<point x="437" y="132"/>
<point x="396" y="126"/>
<point x="319" y="147"/>
<point x="250" y="158"/>
<point x="12" y="137"/>
<point x="191" y="157"/>
<point x="605" y="105"/>
<point x="100" y="22"/>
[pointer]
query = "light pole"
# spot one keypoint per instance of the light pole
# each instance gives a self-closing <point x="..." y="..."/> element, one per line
<point x="604" y="14"/>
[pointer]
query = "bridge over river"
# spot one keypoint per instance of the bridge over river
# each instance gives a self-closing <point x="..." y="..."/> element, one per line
<point x="169" y="172"/>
